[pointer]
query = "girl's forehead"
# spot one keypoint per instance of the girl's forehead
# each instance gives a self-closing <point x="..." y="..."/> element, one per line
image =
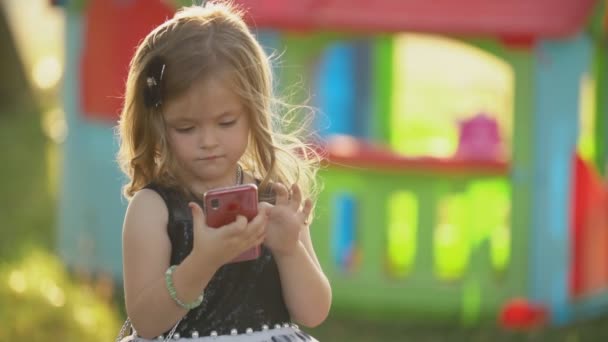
<point x="209" y="97"/>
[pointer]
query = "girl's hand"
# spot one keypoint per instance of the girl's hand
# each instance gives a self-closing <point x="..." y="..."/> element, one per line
<point x="287" y="218"/>
<point x="220" y="245"/>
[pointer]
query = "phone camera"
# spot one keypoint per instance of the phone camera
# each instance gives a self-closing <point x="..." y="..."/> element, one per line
<point x="215" y="203"/>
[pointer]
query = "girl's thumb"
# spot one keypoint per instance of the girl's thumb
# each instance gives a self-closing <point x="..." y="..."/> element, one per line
<point x="198" y="216"/>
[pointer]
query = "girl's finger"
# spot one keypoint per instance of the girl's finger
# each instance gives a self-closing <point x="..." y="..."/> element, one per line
<point x="256" y="232"/>
<point x="253" y="239"/>
<point x="260" y="239"/>
<point x="282" y="193"/>
<point x="198" y="216"/>
<point x="264" y="208"/>
<point x="237" y="227"/>
<point x="258" y="222"/>
<point x="307" y="210"/>
<point x="296" y="197"/>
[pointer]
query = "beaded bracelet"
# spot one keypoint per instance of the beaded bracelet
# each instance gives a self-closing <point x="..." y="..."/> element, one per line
<point x="173" y="293"/>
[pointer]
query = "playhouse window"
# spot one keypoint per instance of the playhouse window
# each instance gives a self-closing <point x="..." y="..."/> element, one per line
<point x="439" y="83"/>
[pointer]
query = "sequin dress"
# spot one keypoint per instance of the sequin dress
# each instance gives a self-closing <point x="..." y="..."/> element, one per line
<point x="242" y="296"/>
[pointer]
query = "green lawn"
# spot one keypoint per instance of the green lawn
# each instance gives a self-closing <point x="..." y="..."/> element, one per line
<point x="40" y="301"/>
<point x="27" y="205"/>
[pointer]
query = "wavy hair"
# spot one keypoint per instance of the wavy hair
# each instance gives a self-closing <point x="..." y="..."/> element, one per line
<point x="196" y="43"/>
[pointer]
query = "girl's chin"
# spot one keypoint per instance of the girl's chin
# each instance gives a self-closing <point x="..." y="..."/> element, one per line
<point x="209" y="178"/>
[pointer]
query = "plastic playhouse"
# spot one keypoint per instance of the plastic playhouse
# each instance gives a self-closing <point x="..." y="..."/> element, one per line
<point x="466" y="147"/>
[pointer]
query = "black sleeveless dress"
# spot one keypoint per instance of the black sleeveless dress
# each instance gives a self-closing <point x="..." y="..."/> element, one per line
<point x="239" y="295"/>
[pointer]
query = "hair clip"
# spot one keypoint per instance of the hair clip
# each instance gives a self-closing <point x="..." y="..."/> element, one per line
<point x="155" y="71"/>
<point x="202" y="3"/>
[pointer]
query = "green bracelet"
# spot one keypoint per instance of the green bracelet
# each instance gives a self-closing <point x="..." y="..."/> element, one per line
<point x="173" y="293"/>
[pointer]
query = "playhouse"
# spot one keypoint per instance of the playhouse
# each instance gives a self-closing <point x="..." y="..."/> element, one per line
<point x="466" y="147"/>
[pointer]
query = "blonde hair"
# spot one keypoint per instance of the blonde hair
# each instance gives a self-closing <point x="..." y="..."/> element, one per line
<point x="196" y="43"/>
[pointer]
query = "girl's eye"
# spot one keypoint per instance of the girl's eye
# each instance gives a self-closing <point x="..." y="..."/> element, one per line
<point x="227" y="123"/>
<point x="184" y="129"/>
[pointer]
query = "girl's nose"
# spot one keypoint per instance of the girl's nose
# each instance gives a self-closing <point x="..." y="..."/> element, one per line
<point x="207" y="139"/>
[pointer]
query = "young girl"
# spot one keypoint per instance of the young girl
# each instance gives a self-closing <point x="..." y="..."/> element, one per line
<point x="198" y="116"/>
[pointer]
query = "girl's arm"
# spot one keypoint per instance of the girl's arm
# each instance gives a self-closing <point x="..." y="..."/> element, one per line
<point x="146" y="255"/>
<point x="147" y="252"/>
<point x="306" y="289"/>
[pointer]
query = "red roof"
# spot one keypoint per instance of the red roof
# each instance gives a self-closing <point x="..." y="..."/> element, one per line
<point x="549" y="18"/>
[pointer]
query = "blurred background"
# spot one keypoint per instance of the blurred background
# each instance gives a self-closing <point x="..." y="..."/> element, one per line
<point x="465" y="195"/>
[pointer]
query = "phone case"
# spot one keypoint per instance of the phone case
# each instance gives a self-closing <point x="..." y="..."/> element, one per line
<point x="224" y="204"/>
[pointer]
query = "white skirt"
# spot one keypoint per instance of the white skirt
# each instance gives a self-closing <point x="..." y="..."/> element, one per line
<point x="285" y="333"/>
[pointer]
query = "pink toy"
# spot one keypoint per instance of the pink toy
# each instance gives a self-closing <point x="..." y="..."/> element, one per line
<point x="479" y="139"/>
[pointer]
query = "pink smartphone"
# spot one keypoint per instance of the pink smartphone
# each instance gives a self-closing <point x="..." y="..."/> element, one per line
<point x="222" y="206"/>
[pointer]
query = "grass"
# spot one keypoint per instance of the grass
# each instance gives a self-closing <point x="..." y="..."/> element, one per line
<point x="341" y="329"/>
<point x="39" y="299"/>
<point x="27" y="202"/>
<point x="28" y="197"/>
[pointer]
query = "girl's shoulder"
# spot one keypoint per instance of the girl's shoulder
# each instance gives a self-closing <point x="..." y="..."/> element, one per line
<point x="148" y="199"/>
<point x="146" y="216"/>
<point x="175" y="201"/>
<point x="160" y="190"/>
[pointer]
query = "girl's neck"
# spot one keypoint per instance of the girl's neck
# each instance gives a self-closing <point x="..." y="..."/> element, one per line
<point x="200" y="187"/>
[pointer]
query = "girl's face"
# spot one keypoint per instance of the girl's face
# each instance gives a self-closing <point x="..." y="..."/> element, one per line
<point x="207" y="132"/>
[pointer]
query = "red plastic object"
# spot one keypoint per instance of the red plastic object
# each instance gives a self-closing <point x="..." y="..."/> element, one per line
<point x="520" y="314"/>
<point x="589" y="231"/>
<point x="352" y="152"/>
<point x="522" y="42"/>
<point x="544" y="18"/>
<point x="112" y="30"/>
